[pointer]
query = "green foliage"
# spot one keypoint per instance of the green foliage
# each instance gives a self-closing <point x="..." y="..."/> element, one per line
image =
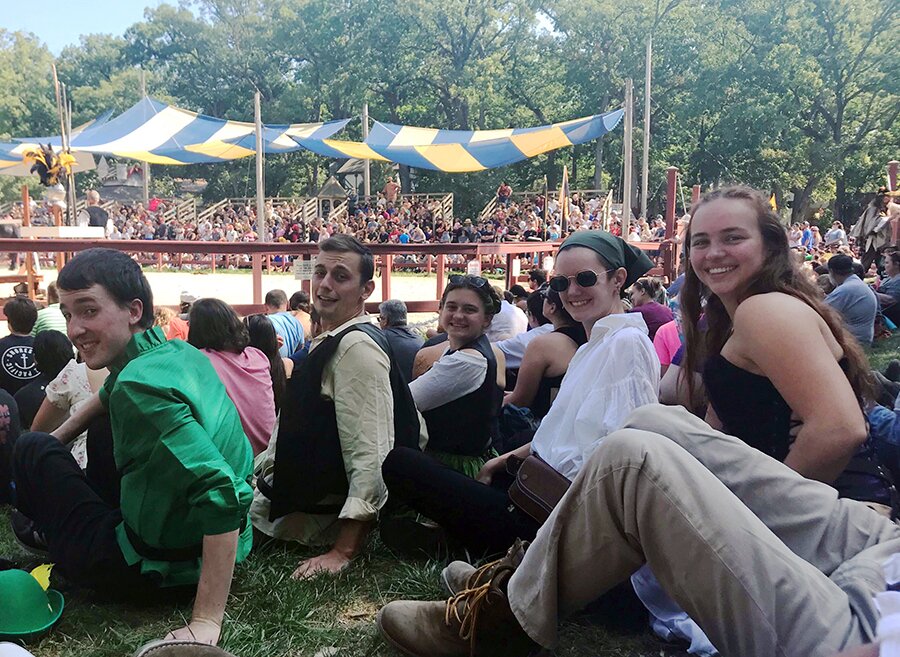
<point x="797" y="96"/>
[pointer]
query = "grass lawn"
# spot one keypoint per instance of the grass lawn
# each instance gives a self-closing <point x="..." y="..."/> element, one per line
<point x="884" y="351"/>
<point x="269" y="615"/>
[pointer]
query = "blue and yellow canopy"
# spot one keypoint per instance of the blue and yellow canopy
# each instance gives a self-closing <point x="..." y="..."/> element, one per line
<point x="455" y="151"/>
<point x="156" y="132"/>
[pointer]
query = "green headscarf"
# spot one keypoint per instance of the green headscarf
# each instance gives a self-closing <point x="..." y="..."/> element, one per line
<point x="614" y="250"/>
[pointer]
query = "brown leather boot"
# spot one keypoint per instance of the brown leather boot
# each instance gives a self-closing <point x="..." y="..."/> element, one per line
<point x="459" y="575"/>
<point x="476" y="622"/>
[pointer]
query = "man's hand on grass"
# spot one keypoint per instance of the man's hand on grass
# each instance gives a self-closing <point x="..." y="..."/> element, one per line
<point x="201" y="631"/>
<point x="332" y="561"/>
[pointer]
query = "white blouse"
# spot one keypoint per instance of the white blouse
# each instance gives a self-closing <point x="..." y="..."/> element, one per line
<point x="451" y="377"/>
<point x="615" y="372"/>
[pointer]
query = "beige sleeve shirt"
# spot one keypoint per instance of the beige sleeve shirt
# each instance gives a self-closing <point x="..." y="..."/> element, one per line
<point x="357" y="380"/>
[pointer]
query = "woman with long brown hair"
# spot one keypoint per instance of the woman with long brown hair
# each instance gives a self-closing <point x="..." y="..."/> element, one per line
<point x="758" y="308"/>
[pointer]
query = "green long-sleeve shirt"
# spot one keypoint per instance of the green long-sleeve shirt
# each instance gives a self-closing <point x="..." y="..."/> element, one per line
<point x="179" y="446"/>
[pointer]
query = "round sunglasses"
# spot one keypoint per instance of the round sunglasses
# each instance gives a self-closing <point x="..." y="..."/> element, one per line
<point x="586" y="278"/>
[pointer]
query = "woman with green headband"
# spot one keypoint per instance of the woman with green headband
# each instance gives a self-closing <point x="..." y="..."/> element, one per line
<point x="616" y="371"/>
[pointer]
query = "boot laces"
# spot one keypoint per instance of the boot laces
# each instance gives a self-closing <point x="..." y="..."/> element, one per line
<point x="472" y="600"/>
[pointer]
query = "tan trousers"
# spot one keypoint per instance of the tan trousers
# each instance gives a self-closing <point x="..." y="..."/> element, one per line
<point x="766" y="562"/>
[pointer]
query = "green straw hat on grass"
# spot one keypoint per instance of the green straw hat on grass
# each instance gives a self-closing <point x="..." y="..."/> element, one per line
<point x="27" y="609"/>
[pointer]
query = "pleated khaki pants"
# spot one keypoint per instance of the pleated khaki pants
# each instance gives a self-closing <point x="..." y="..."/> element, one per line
<point x="766" y="562"/>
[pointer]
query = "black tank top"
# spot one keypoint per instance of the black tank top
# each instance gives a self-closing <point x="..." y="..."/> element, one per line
<point x="468" y="425"/>
<point x="750" y="407"/>
<point x="549" y="385"/>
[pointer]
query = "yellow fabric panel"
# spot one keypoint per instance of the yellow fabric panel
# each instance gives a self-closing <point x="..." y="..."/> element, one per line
<point x="9" y="163"/>
<point x="146" y="156"/>
<point x="487" y="135"/>
<point x="302" y="130"/>
<point x="452" y="158"/>
<point x="220" y="149"/>
<point x="412" y="136"/>
<point x="540" y="141"/>
<point x="356" y="149"/>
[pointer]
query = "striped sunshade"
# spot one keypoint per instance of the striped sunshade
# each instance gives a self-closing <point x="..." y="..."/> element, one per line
<point x="11" y="154"/>
<point x="455" y="151"/>
<point x="156" y="132"/>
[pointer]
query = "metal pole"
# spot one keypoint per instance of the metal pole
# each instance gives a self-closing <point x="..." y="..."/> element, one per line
<point x="546" y="200"/>
<point x="626" y="193"/>
<point x="367" y="178"/>
<point x="262" y="235"/>
<point x="645" y="164"/>
<point x="145" y="166"/>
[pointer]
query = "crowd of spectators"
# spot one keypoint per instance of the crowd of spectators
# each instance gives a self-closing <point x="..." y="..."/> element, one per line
<point x="674" y="419"/>
<point x="386" y="218"/>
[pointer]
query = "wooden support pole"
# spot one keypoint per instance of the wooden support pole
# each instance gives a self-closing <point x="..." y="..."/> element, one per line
<point x="627" y="173"/>
<point x="892" y="168"/>
<point x="256" y="260"/>
<point x="387" y="262"/>
<point x="29" y="255"/>
<point x="57" y="220"/>
<point x="440" y="269"/>
<point x="669" y="254"/>
<point x="695" y="194"/>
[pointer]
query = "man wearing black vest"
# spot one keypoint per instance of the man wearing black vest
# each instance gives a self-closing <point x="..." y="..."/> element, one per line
<point x="93" y="214"/>
<point x="345" y="407"/>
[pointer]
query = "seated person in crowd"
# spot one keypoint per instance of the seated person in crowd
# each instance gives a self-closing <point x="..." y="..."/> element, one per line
<point x="613" y="373"/>
<point x="460" y="393"/>
<point x="299" y="305"/>
<point x="172" y="325"/>
<point x="9" y="433"/>
<point x="72" y="388"/>
<point x="645" y="295"/>
<point x="350" y="401"/>
<point x="50" y="318"/>
<point x="537" y="279"/>
<point x="724" y="526"/>
<point x="667" y="342"/>
<point x="547" y="358"/>
<point x="508" y="322"/>
<point x="178" y="443"/>
<point x="17" y="365"/>
<point x="262" y="336"/>
<point x="853" y="299"/>
<point x="52" y="352"/>
<point x="519" y="297"/>
<point x="514" y="348"/>
<point x="287" y="327"/>
<point x="758" y="307"/>
<point x="889" y="289"/>
<point x="405" y="342"/>
<point x="218" y="332"/>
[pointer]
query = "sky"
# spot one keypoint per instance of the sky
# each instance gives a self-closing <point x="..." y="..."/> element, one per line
<point x="59" y="23"/>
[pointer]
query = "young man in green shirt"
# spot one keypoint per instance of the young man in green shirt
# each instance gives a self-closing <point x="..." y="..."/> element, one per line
<point x="179" y="449"/>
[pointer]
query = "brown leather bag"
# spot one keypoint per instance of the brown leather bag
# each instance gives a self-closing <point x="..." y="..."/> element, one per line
<point x="538" y="488"/>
